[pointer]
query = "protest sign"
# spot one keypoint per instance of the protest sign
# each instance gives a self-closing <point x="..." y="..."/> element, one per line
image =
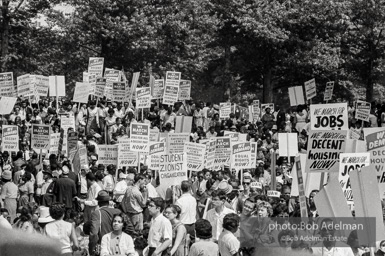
<point x="157" y="89"/>
<point x="100" y="87"/>
<point x="118" y="91"/>
<point x="362" y="110"/>
<point x="170" y="95"/>
<point x="139" y="137"/>
<point x="72" y="139"/>
<point x="324" y="148"/>
<point x="310" y="88"/>
<point x="329" y="91"/>
<point x="296" y="96"/>
<point x="348" y="163"/>
<point x="156" y="149"/>
<point x="354" y="134"/>
<point x="273" y="193"/>
<point x="256" y="110"/>
<point x="7" y="87"/>
<point x="375" y="145"/>
<point x="154" y="134"/>
<point x="301" y="188"/>
<point x="108" y="154"/>
<point x="130" y="91"/>
<point x="253" y="153"/>
<point x="172" y="169"/>
<point x="183" y="124"/>
<point x="329" y="116"/>
<point x="234" y="136"/>
<point x="126" y="157"/>
<point x="241" y="155"/>
<point x="288" y="144"/>
<point x="10" y="138"/>
<point x="210" y="154"/>
<point x="40" y="136"/>
<point x="67" y="122"/>
<point x="95" y="66"/>
<point x="172" y="78"/>
<point x="195" y="155"/>
<point x="143" y="97"/>
<point x="112" y="75"/>
<point x="222" y="152"/>
<point x="81" y="93"/>
<point x="24" y="86"/>
<point x="40" y="84"/>
<point x="57" y="86"/>
<point x="184" y="90"/>
<point x="265" y="106"/>
<point x="54" y="143"/>
<point x="224" y="110"/>
<point x="176" y="141"/>
<point x="83" y="155"/>
<point x="6" y="105"/>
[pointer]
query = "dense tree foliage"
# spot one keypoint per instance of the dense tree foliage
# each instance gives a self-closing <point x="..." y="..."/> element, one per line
<point x="240" y="49"/>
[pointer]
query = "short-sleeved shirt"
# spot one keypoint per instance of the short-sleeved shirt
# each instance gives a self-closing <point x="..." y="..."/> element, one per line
<point x="9" y="191"/>
<point x="160" y="230"/>
<point x="228" y="243"/>
<point x="26" y="188"/>
<point x="204" y="248"/>
<point x="216" y="220"/>
<point x="132" y="200"/>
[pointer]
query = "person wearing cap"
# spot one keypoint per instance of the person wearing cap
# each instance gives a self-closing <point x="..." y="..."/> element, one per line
<point x="9" y="193"/>
<point x="120" y="188"/>
<point x="90" y="203"/>
<point x="215" y="216"/>
<point x="47" y="188"/>
<point x="65" y="191"/>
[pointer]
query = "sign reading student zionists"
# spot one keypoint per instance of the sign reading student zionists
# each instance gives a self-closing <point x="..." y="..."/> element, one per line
<point x="324" y="148"/>
<point x="10" y="138"/>
<point x="348" y="163"/>
<point x="139" y="137"/>
<point x="40" y="136"/>
<point x="329" y="116"/>
<point x="172" y="169"/>
<point x="241" y="155"/>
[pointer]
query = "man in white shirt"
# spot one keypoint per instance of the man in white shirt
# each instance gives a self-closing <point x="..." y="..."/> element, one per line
<point x="215" y="216"/>
<point x="90" y="203"/>
<point x="160" y="234"/>
<point x="120" y="188"/>
<point x="227" y="241"/>
<point x="188" y="206"/>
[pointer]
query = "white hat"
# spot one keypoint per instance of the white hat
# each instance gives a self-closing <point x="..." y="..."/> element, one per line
<point x="44" y="216"/>
<point x="122" y="175"/>
<point x="65" y="170"/>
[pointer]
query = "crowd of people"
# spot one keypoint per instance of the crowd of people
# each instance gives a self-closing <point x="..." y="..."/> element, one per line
<point x="102" y="210"/>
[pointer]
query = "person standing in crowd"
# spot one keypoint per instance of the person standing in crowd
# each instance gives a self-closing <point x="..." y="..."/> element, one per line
<point x="227" y="242"/>
<point x="65" y="191"/>
<point x="9" y="194"/>
<point x="134" y="202"/>
<point x="215" y="216"/>
<point x="179" y="233"/>
<point x="160" y="234"/>
<point x="61" y="230"/>
<point x="90" y="203"/>
<point x="108" y="180"/>
<point x="203" y="245"/>
<point x="188" y="206"/>
<point x="120" y="188"/>
<point x="26" y="189"/>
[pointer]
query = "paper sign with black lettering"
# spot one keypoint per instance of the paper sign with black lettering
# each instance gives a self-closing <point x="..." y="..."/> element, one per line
<point x="173" y="78"/>
<point x="256" y="185"/>
<point x="7" y="87"/>
<point x="95" y="66"/>
<point x="83" y="157"/>
<point x="100" y="87"/>
<point x="184" y="90"/>
<point x="273" y="193"/>
<point x="363" y="110"/>
<point x="154" y="135"/>
<point x="296" y="96"/>
<point x="170" y="95"/>
<point x="139" y="137"/>
<point x="241" y="155"/>
<point x="222" y="152"/>
<point x="348" y="163"/>
<point x="112" y="75"/>
<point x="82" y="90"/>
<point x="143" y="97"/>
<point x="118" y="91"/>
<point x="210" y="154"/>
<point x="157" y="89"/>
<point x="310" y="88"/>
<point x="24" y="86"/>
<point x="67" y="122"/>
<point x="40" y="136"/>
<point x="173" y="170"/>
<point x="54" y="143"/>
<point x="329" y="116"/>
<point x="354" y="134"/>
<point x="108" y="154"/>
<point x="156" y="149"/>
<point x="324" y="149"/>
<point x="224" y="110"/>
<point x="234" y="136"/>
<point x="195" y="155"/>
<point x="256" y="110"/>
<point x="10" y="138"/>
<point x="40" y="84"/>
<point x="176" y="141"/>
<point x="126" y="157"/>
<point x="329" y="91"/>
<point x="72" y="144"/>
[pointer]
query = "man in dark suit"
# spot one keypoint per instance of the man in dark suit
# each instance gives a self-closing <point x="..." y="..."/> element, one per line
<point x="280" y="118"/>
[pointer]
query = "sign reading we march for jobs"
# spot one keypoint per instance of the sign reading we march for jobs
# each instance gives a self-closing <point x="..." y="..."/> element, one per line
<point x="329" y="116"/>
<point x="40" y="136"/>
<point x="139" y="137"/>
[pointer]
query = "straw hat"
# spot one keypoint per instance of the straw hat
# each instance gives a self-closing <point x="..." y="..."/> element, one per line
<point x="225" y="187"/>
<point x="7" y="175"/>
<point x="45" y="217"/>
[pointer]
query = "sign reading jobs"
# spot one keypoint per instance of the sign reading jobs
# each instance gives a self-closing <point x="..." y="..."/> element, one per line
<point x="324" y="148"/>
<point x="40" y="137"/>
<point x="139" y="137"/>
<point x="329" y="116"/>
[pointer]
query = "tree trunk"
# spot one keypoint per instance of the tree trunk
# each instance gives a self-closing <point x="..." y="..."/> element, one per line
<point x="226" y="81"/>
<point x="267" y="86"/>
<point x="369" y="86"/>
<point x="4" y="34"/>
